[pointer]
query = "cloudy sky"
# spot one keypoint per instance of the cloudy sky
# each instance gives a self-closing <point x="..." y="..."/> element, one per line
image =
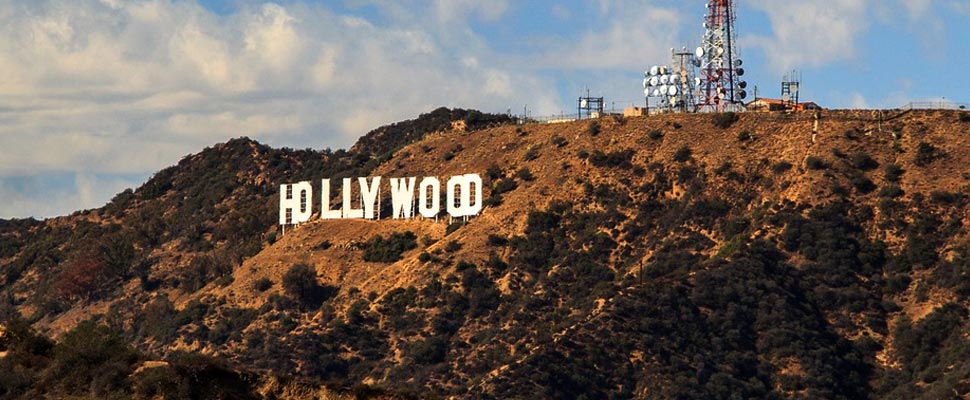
<point x="95" y="95"/>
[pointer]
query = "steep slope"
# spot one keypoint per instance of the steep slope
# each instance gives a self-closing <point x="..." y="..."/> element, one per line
<point x="698" y="256"/>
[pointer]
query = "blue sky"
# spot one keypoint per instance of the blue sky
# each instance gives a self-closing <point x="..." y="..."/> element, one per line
<point x="95" y="95"/>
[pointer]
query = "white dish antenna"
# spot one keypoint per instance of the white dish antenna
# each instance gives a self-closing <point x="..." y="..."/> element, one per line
<point x="699" y="52"/>
<point x="654" y="70"/>
<point x="740" y="71"/>
<point x="672" y="90"/>
<point x="786" y="97"/>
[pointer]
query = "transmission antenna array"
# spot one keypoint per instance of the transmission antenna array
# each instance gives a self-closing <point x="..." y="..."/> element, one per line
<point x="721" y="87"/>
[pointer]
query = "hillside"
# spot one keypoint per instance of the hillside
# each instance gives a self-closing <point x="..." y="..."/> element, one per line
<point x="675" y="256"/>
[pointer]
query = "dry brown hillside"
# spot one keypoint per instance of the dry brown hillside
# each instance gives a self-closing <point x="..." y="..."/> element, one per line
<point x="689" y="256"/>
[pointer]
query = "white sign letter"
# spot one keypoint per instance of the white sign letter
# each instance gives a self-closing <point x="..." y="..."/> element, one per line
<point x="461" y="206"/>
<point x="402" y="197"/>
<point x="349" y="210"/>
<point x="325" y="211"/>
<point x="429" y="210"/>
<point x="295" y="202"/>
<point x="369" y="195"/>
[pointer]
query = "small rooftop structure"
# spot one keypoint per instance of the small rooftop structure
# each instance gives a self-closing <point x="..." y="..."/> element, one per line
<point x="765" y="105"/>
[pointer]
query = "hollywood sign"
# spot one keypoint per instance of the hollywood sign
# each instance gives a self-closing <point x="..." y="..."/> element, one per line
<point x="463" y="198"/>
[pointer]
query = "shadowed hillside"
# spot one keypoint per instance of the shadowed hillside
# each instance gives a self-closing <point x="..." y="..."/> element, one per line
<point x="677" y="256"/>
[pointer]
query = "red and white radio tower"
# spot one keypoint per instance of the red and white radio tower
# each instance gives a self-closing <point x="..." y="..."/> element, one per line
<point x="720" y="87"/>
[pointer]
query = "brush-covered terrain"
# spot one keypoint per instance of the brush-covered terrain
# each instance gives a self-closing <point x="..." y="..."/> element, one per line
<point x="677" y="256"/>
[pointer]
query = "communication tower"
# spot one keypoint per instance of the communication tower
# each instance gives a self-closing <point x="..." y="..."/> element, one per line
<point x="720" y="87"/>
<point x="673" y="85"/>
<point x="790" y="86"/>
<point x="590" y="107"/>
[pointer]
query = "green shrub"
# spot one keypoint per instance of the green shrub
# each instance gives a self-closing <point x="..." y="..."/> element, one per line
<point x="614" y="159"/>
<point x="815" y="163"/>
<point x="946" y="198"/>
<point x="893" y="172"/>
<point x="927" y="153"/>
<point x="725" y="120"/>
<point x="263" y="284"/>
<point x="655" y="134"/>
<point x="525" y="174"/>
<point x="781" y="167"/>
<point x="964" y="116"/>
<point x="452" y="246"/>
<point x="682" y="154"/>
<point x="864" y="162"/>
<point x="379" y="249"/>
<point x="891" y="191"/>
<point x="862" y="184"/>
<point x="744" y="136"/>
<point x="559" y="141"/>
<point x="532" y="153"/>
<point x="593" y="128"/>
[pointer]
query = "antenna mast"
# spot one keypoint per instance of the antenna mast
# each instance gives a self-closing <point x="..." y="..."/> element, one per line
<point x="721" y="86"/>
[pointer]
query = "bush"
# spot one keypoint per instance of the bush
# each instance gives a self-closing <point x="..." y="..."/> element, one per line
<point x="927" y="153"/>
<point x="559" y="141"/>
<point x="781" y="167"/>
<point x="497" y="240"/>
<point x="429" y="351"/>
<point x="725" y="120"/>
<point x="945" y="198"/>
<point x="893" y="172"/>
<point x="744" y="136"/>
<point x="815" y="163"/>
<point x="655" y="134"/>
<point x="300" y="283"/>
<point x="614" y="159"/>
<point x="891" y="191"/>
<point x="379" y="249"/>
<point x="683" y="154"/>
<point x="452" y="246"/>
<point x="964" y="116"/>
<point x="864" y="162"/>
<point x="525" y="174"/>
<point x="263" y="284"/>
<point x="593" y="128"/>
<point x="494" y="172"/>
<point x="532" y="153"/>
<point x="863" y="184"/>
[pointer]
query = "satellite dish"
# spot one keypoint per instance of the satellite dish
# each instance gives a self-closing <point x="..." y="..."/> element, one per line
<point x="794" y="88"/>
<point x="672" y="90"/>
<point x="720" y="51"/>
<point x="663" y="90"/>
<point x="786" y="97"/>
<point x="738" y="62"/>
<point x="675" y="79"/>
<point x="656" y="93"/>
<point x="646" y="82"/>
<point x="699" y="52"/>
<point x="664" y="79"/>
<point x="740" y="71"/>
<point x="663" y="70"/>
<point x="654" y="70"/>
<point x="655" y="81"/>
<point x="742" y="94"/>
<point x="582" y="103"/>
<point x="646" y="92"/>
<point x="742" y="84"/>
<point x="697" y="81"/>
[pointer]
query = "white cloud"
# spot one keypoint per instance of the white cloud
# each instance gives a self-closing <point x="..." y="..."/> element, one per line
<point x="110" y="88"/>
<point x="810" y="33"/>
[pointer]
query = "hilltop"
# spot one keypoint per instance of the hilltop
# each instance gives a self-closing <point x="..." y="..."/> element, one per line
<point x="697" y="256"/>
